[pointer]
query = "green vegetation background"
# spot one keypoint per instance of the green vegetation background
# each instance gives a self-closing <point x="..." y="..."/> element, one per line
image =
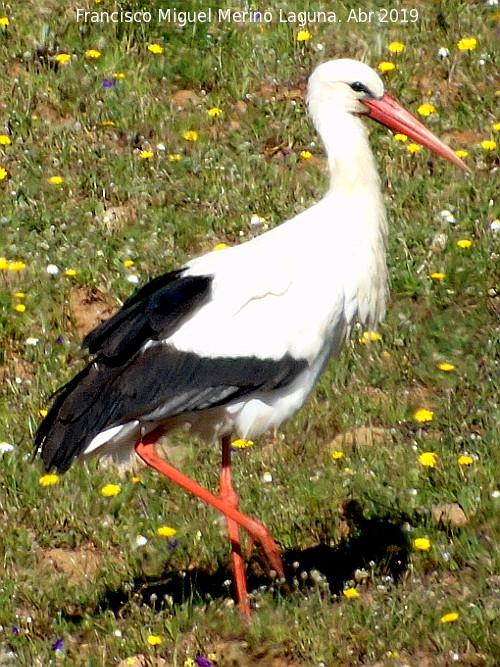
<point x="74" y="564"/>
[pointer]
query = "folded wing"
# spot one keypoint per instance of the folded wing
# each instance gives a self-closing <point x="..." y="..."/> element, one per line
<point x="138" y="376"/>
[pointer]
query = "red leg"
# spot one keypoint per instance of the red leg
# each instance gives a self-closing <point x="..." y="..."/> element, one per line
<point x="256" y="530"/>
<point x="228" y="494"/>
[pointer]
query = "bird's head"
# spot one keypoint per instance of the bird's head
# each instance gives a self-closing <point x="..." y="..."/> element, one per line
<point x="345" y="84"/>
<point x="349" y="86"/>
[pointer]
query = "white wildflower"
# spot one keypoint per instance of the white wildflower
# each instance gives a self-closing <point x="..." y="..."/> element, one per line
<point x="257" y="220"/>
<point x="495" y="226"/>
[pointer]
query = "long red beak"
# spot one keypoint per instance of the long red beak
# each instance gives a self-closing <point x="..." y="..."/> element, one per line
<point x="390" y="113"/>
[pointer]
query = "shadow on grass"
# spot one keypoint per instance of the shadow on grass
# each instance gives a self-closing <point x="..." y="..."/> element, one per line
<point x="378" y="545"/>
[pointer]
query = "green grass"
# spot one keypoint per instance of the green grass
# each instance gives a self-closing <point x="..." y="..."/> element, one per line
<point x="71" y="566"/>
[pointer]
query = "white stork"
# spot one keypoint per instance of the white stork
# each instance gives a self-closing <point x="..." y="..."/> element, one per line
<point x="233" y="342"/>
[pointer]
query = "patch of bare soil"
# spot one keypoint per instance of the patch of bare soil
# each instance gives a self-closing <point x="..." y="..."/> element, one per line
<point x="89" y="308"/>
<point x="78" y="565"/>
<point x="183" y="98"/>
<point x="116" y="217"/>
<point x="449" y="514"/>
<point x="15" y="367"/>
<point x="362" y="437"/>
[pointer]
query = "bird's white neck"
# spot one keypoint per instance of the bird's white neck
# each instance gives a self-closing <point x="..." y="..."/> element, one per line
<point x="350" y="159"/>
<point x="355" y="211"/>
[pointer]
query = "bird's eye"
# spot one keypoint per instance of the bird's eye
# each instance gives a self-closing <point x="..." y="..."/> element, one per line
<point x="359" y="87"/>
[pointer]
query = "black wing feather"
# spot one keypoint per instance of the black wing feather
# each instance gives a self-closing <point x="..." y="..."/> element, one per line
<point x="155" y="311"/>
<point x="156" y="384"/>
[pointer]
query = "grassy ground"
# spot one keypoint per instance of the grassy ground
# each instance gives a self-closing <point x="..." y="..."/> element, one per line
<point x="92" y="570"/>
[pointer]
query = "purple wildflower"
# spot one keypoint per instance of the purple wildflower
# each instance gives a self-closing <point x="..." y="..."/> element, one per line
<point x="108" y="83"/>
<point x="15" y="630"/>
<point x="173" y="544"/>
<point x="59" y="340"/>
<point x="58" y="645"/>
<point x="202" y="662"/>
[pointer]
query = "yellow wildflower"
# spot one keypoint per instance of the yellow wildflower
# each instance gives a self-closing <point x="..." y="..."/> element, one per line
<point x="4" y="264"/>
<point x="56" y="180"/>
<point x="241" y="444"/>
<point x="496" y="127"/>
<point x="93" y="53"/>
<point x="155" y="48"/>
<point x="464" y="243"/>
<point x="337" y="454"/>
<point x="437" y="275"/>
<point x="451" y="617"/>
<point x="4" y="21"/>
<point x="414" y="148"/>
<point x="70" y="272"/>
<point x="175" y="157"/>
<point x="119" y="75"/>
<point x="147" y="155"/>
<point x="465" y="460"/>
<point x="190" y="135"/>
<point x="221" y="246"/>
<point x="110" y="490"/>
<point x="136" y="480"/>
<point x="5" y="140"/>
<point x="461" y="153"/>
<point x="3" y="173"/>
<point x="396" y="47"/>
<point x="48" y="480"/>
<point x="20" y="307"/>
<point x="385" y="66"/>
<point x="19" y="295"/>
<point x="16" y="266"/>
<point x="424" y="415"/>
<point x="63" y="58"/>
<point x="467" y="44"/>
<point x="303" y="36"/>
<point x="488" y="145"/>
<point x="154" y="640"/>
<point x="214" y="111"/>
<point x="370" y="337"/>
<point x="128" y="263"/>
<point x="426" y="109"/>
<point x="351" y="593"/>
<point x="446" y="367"/>
<point x="422" y="543"/>
<point x="189" y="662"/>
<point x="43" y="413"/>
<point x="428" y="459"/>
<point x="306" y="155"/>
<point x="166" y="531"/>
<point x="400" y="137"/>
